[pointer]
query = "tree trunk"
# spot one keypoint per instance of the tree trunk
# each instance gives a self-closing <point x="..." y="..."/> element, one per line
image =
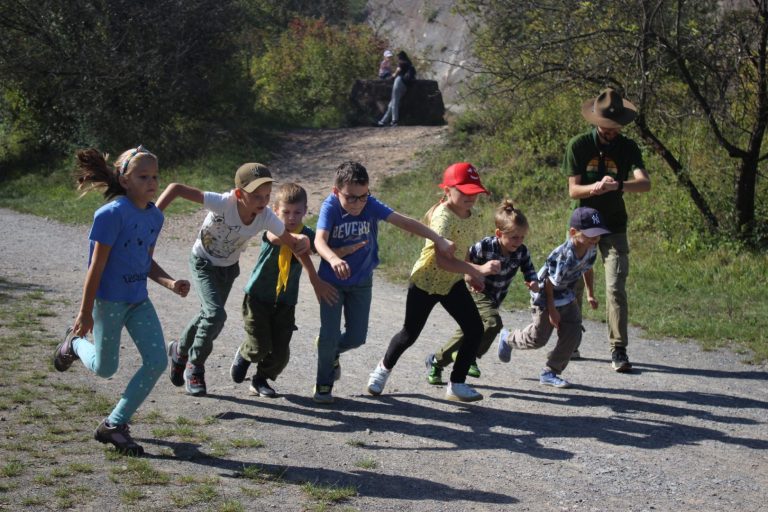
<point x="679" y="171"/>
<point x="745" y="197"/>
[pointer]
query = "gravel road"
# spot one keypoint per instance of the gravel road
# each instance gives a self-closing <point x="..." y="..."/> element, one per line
<point x="685" y="431"/>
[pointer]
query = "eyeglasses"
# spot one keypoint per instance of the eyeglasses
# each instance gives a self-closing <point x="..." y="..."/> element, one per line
<point x="352" y="199"/>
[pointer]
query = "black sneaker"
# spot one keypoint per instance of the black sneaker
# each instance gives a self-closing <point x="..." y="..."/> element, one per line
<point x="120" y="437"/>
<point x="260" y="387"/>
<point x="239" y="368"/>
<point x="620" y="361"/>
<point x="194" y="380"/>
<point x="65" y="353"/>
<point x="178" y="362"/>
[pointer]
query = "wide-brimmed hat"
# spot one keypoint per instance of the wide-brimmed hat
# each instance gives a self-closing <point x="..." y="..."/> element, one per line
<point x="609" y="110"/>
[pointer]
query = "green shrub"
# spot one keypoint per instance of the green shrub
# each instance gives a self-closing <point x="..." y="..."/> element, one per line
<point x="304" y="76"/>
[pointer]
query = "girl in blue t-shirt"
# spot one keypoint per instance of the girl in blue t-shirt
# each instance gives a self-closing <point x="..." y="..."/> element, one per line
<point x="122" y="240"/>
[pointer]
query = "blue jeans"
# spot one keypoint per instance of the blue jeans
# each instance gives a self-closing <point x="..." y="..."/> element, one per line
<point x="393" y="109"/>
<point x="101" y="357"/>
<point x="213" y="285"/>
<point x="355" y="303"/>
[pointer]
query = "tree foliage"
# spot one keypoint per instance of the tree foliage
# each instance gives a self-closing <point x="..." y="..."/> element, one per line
<point x="677" y="60"/>
<point x="117" y="72"/>
<point x="305" y="75"/>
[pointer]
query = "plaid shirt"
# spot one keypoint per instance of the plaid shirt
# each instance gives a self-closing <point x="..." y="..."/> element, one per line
<point x="563" y="269"/>
<point x="496" y="286"/>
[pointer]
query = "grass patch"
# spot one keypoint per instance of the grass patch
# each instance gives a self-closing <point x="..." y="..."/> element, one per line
<point x="247" y="443"/>
<point x="12" y="469"/>
<point x="329" y="493"/>
<point x="139" y="472"/>
<point x="256" y="472"/>
<point x="205" y="493"/>
<point x="131" y="496"/>
<point x="366" y="463"/>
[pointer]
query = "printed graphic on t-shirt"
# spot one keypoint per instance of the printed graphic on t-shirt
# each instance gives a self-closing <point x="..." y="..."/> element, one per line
<point x="138" y="246"/>
<point x="219" y="239"/>
<point x="352" y="232"/>
<point x="611" y="169"/>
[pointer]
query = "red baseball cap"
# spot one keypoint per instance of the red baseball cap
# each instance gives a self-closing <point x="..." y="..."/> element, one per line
<point x="464" y="177"/>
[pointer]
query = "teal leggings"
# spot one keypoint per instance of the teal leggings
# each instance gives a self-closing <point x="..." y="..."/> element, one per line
<point x="101" y="357"/>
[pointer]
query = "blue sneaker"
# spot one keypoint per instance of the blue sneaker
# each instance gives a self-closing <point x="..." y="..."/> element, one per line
<point x="548" y="378"/>
<point x="505" y="350"/>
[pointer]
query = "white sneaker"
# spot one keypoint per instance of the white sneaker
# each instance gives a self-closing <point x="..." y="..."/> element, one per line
<point x="462" y="392"/>
<point x="378" y="378"/>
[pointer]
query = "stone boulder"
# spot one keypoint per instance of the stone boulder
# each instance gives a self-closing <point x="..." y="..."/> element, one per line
<point x="422" y="103"/>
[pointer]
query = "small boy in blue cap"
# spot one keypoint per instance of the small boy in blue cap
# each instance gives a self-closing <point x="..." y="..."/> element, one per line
<point x="555" y="305"/>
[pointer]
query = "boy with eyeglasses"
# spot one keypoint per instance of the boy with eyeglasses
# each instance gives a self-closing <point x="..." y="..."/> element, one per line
<point x="347" y="240"/>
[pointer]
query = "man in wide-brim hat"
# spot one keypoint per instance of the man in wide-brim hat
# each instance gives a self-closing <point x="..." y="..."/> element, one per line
<point x="602" y="164"/>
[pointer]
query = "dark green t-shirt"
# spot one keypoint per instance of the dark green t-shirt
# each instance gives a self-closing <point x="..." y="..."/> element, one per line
<point x="262" y="283"/>
<point x="583" y="158"/>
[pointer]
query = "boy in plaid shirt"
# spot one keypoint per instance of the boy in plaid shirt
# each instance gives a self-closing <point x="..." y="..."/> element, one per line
<point x="556" y="307"/>
<point x="507" y="247"/>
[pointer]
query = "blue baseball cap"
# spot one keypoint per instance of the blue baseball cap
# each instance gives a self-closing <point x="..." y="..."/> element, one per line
<point x="588" y="221"/>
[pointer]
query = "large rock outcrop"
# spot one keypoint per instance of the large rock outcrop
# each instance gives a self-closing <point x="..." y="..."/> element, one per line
<point x="422" y="104"/>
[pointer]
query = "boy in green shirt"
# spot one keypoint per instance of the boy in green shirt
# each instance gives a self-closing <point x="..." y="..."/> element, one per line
<point x="271" y="295"/>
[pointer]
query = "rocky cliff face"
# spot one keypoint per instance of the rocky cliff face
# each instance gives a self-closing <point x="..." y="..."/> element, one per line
<point x="428" y="31"/>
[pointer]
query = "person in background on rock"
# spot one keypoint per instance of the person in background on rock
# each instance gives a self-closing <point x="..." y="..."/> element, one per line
<point x="271" y="294"/>
<point x="556" y="307"/>
<point x="506" y="247"/>
<point x="233" y="218"/>
<point x="437" y="278"/>
<point x="122" y="240"/>
<point x="347" y="240"/>
<point x="404" y="76"/>
<point x="602" y="164"/>
<point x="385" y="68"/>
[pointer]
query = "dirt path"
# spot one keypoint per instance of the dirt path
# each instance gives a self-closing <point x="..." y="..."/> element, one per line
<point x="685" y="431"/>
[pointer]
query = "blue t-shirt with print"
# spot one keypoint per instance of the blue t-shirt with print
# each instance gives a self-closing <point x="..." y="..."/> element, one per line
<point x="563" y="269"/>
<point x="345" y="229"/>
<point x="131" y="233"/>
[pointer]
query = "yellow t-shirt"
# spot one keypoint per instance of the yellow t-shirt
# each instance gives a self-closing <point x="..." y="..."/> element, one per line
<point x="426" y="274"/>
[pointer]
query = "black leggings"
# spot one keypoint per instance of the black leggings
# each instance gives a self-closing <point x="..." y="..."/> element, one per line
<point x="418" y="305"/>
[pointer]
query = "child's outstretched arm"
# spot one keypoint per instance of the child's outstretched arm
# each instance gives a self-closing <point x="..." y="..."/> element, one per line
<point x="161" y="277"/>
<point x="324" y="291"/>
<point x="442" y="245"/>
<point x="84" y="321"/>
<point x="589" y="280"/>
<point x="473" y="274"/>
<point x="339" y="266"/>
<point x="175" y="190"/>
<point x="298" y="243"/>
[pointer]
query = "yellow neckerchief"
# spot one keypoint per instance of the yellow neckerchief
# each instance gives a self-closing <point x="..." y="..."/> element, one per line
<point x="284" y="264"/>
